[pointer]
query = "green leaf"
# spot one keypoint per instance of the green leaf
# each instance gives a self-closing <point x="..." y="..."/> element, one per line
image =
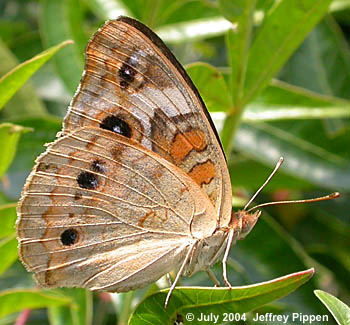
<point x="322" y="63"/>
<point x="14" y="79"/>
<point x="242" y="177"/>
<point x="31" y="145"/>
<point x="9" y="136"/>
<point x="237" y="42"/>
<point x="337" y="308"/>
<point x="280" y="253"/>
<point x="12" y="301"/>
<point x="8" y="252"/>
<point x="78" y="313"/>
<point x="8" y="242"/>
<point x="281" y="101"/>
<point x="69" y="62"/>
<point x="303" y="159"/>
<point x="26" y="100"/>
<point x="163" y="12"/>
<point x="7" y="219"/>
<point x="283" y="30"/>
<point x="211" y="86"/>
<point x="123" y="305"/>
<point x="186" y="300"/>
<point x="236" y="11"/>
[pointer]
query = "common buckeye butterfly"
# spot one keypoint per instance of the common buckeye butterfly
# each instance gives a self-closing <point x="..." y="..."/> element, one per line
<point x="136" y="184"/>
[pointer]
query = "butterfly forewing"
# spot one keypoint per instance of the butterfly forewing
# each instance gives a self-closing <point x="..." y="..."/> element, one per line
<point x="101" y="211"/>
<point x="134" y="86"/>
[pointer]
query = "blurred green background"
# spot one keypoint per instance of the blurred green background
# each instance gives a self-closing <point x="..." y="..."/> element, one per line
<point x="283" y="80"/>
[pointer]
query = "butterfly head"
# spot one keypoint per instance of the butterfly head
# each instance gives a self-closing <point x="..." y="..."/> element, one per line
<point x="243" y="222"/>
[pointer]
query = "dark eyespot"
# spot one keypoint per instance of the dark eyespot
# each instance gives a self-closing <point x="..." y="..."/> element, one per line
<point x="87" y="180"/>
<point x="127" y="73"/>
<point x="69" y="237"/>
<point x="116" y="125"/>
<point x="44" y="167"/>
<point x="98" y="166"/>
<point x="77" y="196"/>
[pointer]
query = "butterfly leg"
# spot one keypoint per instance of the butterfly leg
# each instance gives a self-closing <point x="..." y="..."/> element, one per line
<point x="188" y="255"/>
<point x="169" y="279"/>
<point x="212" y="277"/>
<point x="224" y="260"/>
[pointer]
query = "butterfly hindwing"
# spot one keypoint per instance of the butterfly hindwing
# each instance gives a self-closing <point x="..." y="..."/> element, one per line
<point x="101" y="211"/>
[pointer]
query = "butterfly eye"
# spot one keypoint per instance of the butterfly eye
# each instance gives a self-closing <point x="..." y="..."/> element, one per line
<point x="117" y="125"/>
<point x="69" y="237"/>
<point x="87" y="180"/>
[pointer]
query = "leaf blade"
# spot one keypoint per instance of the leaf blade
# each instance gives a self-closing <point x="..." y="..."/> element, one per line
<point x="197" y="300"/>
<point x="15" y="300"/>
<point x="14" y="79"/>
<point x="9" y="136"/>
<point x="339" y="310"/>
<point x="277" y="40"/>
<point x="8" y="252"/>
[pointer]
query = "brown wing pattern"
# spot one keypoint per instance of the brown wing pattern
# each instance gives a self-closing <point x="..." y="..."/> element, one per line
<point x="102" y="212"/>
<point x="134" y="86"/>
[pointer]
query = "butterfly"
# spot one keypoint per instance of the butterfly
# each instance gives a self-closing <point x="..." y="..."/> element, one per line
<point x="136" y="183"/>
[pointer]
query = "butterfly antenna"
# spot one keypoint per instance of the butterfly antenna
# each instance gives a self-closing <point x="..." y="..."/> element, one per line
<point x="317" y="199"/>
<point x="278" y="165"/>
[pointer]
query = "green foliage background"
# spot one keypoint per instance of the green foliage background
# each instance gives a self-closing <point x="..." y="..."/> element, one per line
<point x="276" y="85"/>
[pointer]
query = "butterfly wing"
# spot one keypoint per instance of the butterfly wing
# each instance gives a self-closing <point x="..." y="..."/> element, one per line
<point x="101" y="211"/>
<point x="134" y="86"/>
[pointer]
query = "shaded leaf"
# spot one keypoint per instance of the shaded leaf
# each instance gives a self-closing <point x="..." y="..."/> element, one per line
<point x="302" y="159"/>
<point x="281" y="101"/>
<point x="242" y="177"/>
<point x="8" y="253"/>
<point x="9" y="136"/>
<point x="29" y="147"/>
<point x="237" y="43"/>
<point x="211" y="86"/>
<point x="69" y="61"/>
<point x="8" y="242"/>
<point x="12" y="301"/>
<point x="7" y="219"/>
<point x="283" y="30"/>
<point x="80" y="312"/>
<point x="322" y="61"/>
<point x="32" y="144"/>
